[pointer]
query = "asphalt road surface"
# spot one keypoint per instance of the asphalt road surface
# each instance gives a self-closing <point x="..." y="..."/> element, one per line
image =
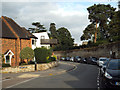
<point x="83" y="76"/>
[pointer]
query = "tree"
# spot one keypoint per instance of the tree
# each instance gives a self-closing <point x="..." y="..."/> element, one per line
<point x="39" y="28"/>
<point x="114" y="27"/>
<point x="64" y="38"/>
<point x="88" y="32"/>
<point x="27" y="53"/>
<point x="53" y="31"/>
<point x="100" y="14"/>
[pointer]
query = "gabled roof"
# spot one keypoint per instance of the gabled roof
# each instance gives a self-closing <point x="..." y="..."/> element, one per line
<point x="28" y="33"/>
<point x="19" y="31"/>
<point x="6" y="32"/>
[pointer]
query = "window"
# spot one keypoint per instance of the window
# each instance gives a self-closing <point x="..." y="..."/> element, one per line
<point x="42" y="37"/>
<point x="7" y="59"/>
<point x="33" y="42"/>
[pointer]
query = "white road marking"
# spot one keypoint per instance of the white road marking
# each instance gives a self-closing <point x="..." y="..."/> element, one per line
<point x="98" y="79"/>
<point x="21" y="82"/>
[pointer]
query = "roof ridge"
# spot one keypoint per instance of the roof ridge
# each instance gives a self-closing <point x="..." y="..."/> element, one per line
<point x="9" y="26"/>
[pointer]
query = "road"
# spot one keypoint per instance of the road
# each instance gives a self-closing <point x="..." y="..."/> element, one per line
<point x="82" y="76"/>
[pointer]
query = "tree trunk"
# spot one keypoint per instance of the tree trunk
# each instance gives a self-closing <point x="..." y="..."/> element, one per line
<point x="95" y="33"/>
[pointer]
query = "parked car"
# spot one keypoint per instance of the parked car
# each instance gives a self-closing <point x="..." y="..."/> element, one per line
<point x="103" y="67"/>
<point x="94" y="60"/>
<point x="72" y="59"/>
<point x="84" y="60"/>
<point x="67" y="59"/>
<point x="62" y="58"/>
<point x="111" y="77"/>
<point x="101" y="61"/>
<point x="77" y="59"/>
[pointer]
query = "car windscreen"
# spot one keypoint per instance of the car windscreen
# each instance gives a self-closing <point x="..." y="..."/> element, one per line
<point x="94" y="59"/>
<point x="102" y="59"/>
<point x="114" y="64"/>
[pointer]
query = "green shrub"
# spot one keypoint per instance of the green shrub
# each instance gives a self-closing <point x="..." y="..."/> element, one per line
<point x="27" y="53"/>
<point x="31" y="62"/>
<point x="5" y="65"/>
<point x="52" y="59"/>
<point x="23" y="64"/>
<point x="41" y="55"/>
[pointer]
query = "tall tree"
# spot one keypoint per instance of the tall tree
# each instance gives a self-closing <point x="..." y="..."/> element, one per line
<point x="114" y="27"/>
<point x="88" y="32"/>
<point x="38" y="28"/>
<point x="100" y="14"/>
<point x="53" y="31"/>
<point x="65" y="39"/>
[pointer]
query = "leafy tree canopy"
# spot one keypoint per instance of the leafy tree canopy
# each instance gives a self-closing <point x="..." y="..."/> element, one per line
<point x="27" y="53"/>
<point x="100" y="15"/>
<point x="38" y="28"/>
<point x="64" y="38"/>
<point x="53" y="31"/>
<point x="88" y="32"/>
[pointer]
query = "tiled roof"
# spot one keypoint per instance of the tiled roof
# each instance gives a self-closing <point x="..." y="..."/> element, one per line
<point x="19" y="31"/>
<point x="6" y="32"/>
<point x="28" y="33"/>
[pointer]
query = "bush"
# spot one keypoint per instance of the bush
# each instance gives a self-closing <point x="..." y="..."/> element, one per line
<point x="31" y="62"/>
<point x="27" y="53"/>
<point x="41" y="55"/>
<point x="5" y="65"/>
<point x="52" y="59"/>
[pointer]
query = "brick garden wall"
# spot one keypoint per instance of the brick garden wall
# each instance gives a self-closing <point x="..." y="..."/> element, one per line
<point x="29" y="68"/>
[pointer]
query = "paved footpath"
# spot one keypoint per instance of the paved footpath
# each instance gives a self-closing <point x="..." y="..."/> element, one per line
<point x="10" y="79"/>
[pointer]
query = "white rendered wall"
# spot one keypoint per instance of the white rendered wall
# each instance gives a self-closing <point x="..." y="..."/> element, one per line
<point x="38" y="41"/>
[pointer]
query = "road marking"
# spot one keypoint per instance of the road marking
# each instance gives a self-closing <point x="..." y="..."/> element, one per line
<point x="5" y="80"/>
<point x="98" y="79"/>
<point x="21" y="82"/>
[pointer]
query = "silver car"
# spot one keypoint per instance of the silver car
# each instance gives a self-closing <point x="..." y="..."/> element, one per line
<point x="101" y="61"/>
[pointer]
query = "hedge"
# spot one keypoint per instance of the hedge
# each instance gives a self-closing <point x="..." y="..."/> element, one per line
<point x="41" y="55"/>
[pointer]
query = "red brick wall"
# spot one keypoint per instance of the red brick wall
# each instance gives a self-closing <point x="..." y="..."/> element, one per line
<point x="9" y="44"/>
<point x="26" y="43"/>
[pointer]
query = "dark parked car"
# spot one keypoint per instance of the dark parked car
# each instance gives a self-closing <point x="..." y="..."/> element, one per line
<point x="94" y="60"/>
<point x="77" y="59"/>
<point x="111" y="77"/>
<point x="67" y="59"/>
<point x="83" y="60"/>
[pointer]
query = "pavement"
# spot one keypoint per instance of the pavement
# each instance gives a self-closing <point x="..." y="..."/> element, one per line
<point x="9" y="79"/>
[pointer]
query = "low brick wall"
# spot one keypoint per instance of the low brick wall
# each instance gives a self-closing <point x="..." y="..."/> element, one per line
<point x="29" y="68"/>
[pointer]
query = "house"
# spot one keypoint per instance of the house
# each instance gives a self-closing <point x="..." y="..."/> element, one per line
<point x="43" y="40"/>
<point x="14" y="38"/>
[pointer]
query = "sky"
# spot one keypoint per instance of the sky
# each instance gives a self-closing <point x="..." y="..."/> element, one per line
<point x="71" y="14"/>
